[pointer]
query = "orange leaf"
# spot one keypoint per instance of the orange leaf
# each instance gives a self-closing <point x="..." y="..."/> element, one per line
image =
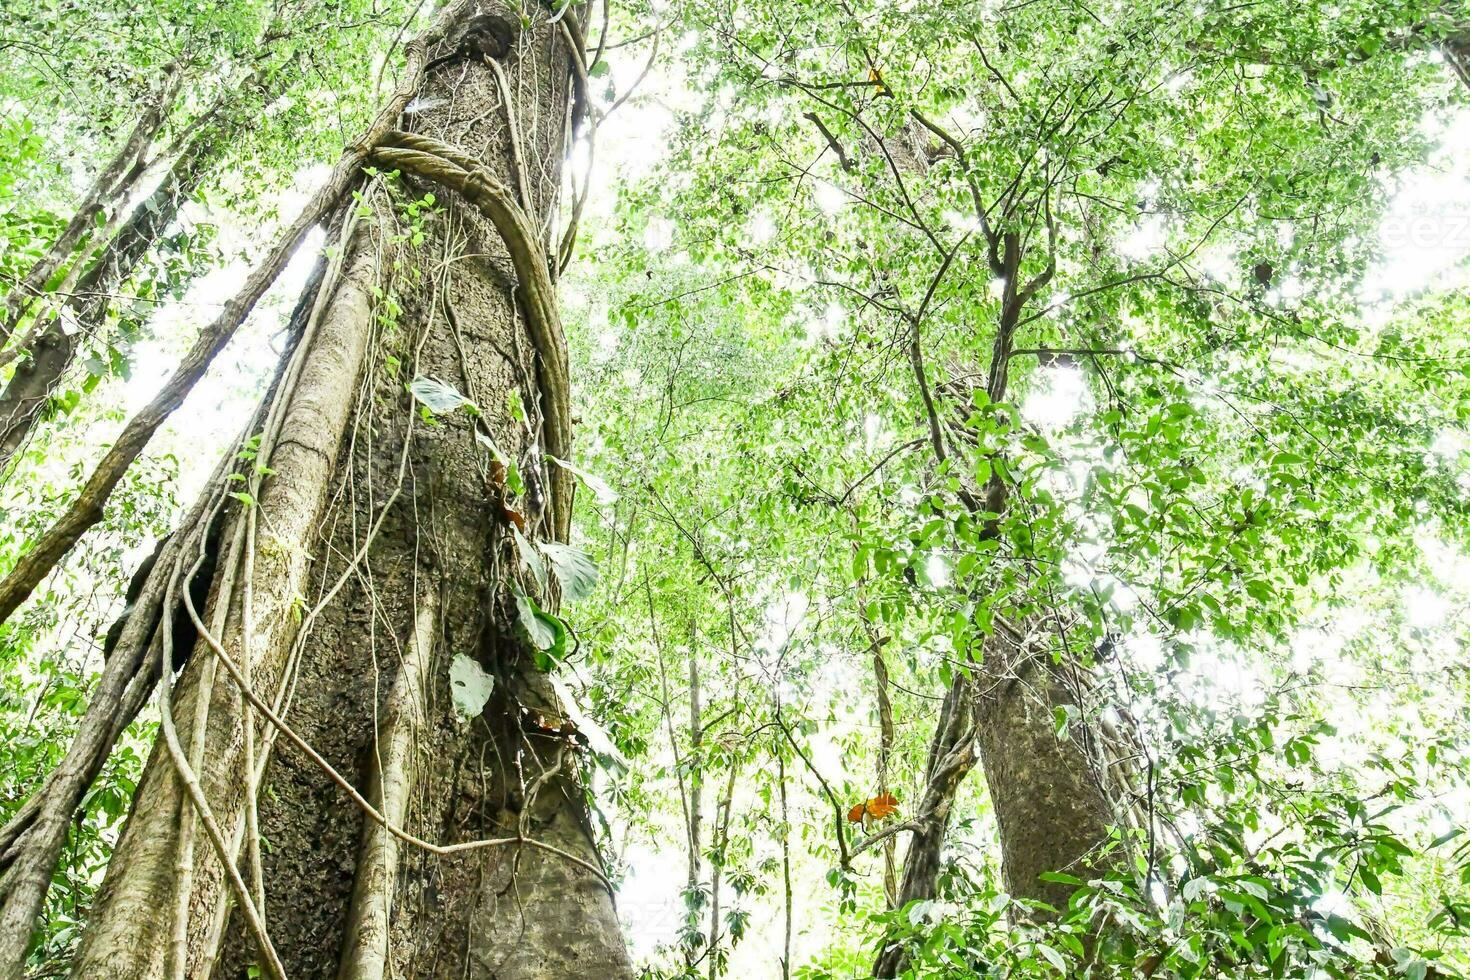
<point x="855" y="815"/>
<point x="514" y="517"/>
<point x="882" y="806"/>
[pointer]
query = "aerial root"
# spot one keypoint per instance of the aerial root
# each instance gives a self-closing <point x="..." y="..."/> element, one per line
<point x="442" y="850"/>
<point x="392" y="784"/>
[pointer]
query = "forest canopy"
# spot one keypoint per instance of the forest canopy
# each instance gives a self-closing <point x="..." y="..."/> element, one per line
<point x="735" y="488"/>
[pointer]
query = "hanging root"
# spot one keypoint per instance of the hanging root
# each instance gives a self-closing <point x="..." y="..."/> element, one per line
<point x="31" y="842"/>
<point x="366" y="956"/>
<point x="239" y="563"/>
<point x="205" y="814"/>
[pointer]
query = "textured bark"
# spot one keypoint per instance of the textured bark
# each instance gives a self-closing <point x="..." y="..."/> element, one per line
<point x="35" y="379"/>
<point x="393" y="531"/>
<point x="951" y="757"/>
<point x="1050" y="808"/>
<point x="370" y="923"/>
<point x="1051" y="811"/>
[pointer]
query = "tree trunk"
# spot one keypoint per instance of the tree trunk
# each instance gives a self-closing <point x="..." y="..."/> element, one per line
<point x="31" y="841"/>
<point x="377" y="553"/>
<point x="34" y="381"/>
<point x="951" y="757"/>
<point x="696" y="790"/>
<point x="1050" y="808"/>
<point x="1048" y="803"/>
<point x="111" y="185"/>
<point x="1048" y="811"/>
<point x="1456" y="49"/>
<point x="886" y="736"/>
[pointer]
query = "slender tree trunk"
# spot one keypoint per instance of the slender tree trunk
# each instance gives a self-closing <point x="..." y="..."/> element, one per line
<point x="34" y="381"/>
<point x="696" y="769"/>
<point x="111" y="185"/>
<point x="689" y="796"/>
<point x="717" y="873"/>
<point x="885" y="753"/>
<point x="951" y="757"/>
<point x="789" y="904"/>
<point x="377" y="552"/>
<point x="1456" y="49"/>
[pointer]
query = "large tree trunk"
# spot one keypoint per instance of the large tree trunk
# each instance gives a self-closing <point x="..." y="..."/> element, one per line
<point x="1045" y="785"/>
<point x="1048" y="791"/>
<point x="378" y="552"/>
<point x="1049" y="810"/>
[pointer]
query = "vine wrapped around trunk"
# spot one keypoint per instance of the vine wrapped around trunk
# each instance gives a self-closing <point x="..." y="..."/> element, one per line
<point x="410" y="835"/>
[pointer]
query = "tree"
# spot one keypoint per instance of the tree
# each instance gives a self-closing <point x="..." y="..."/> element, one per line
<point x="70" y="294"/>
<point x="422" y="536"/>
<point x="862" y="105"/>
<point x="52" y="351"/>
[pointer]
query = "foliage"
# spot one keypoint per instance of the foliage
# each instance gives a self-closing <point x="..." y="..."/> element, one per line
<point x="1244" y="452"/>
<point x="1235" y="480"/>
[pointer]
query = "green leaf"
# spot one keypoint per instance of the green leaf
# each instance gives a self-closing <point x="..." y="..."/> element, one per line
<point x="533" y="622"/>
<point x="469" y="685"/>
<point x="605" y="494"/>
<point x="574" y="569"/>
<point x="1062" y="717"/>
<point x="546" y="634"/>
<point x="1343" y="929"/>
<point x="438" y="397"/>
<point x="1053" y="957"/>
<point x="530" y="557"/>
